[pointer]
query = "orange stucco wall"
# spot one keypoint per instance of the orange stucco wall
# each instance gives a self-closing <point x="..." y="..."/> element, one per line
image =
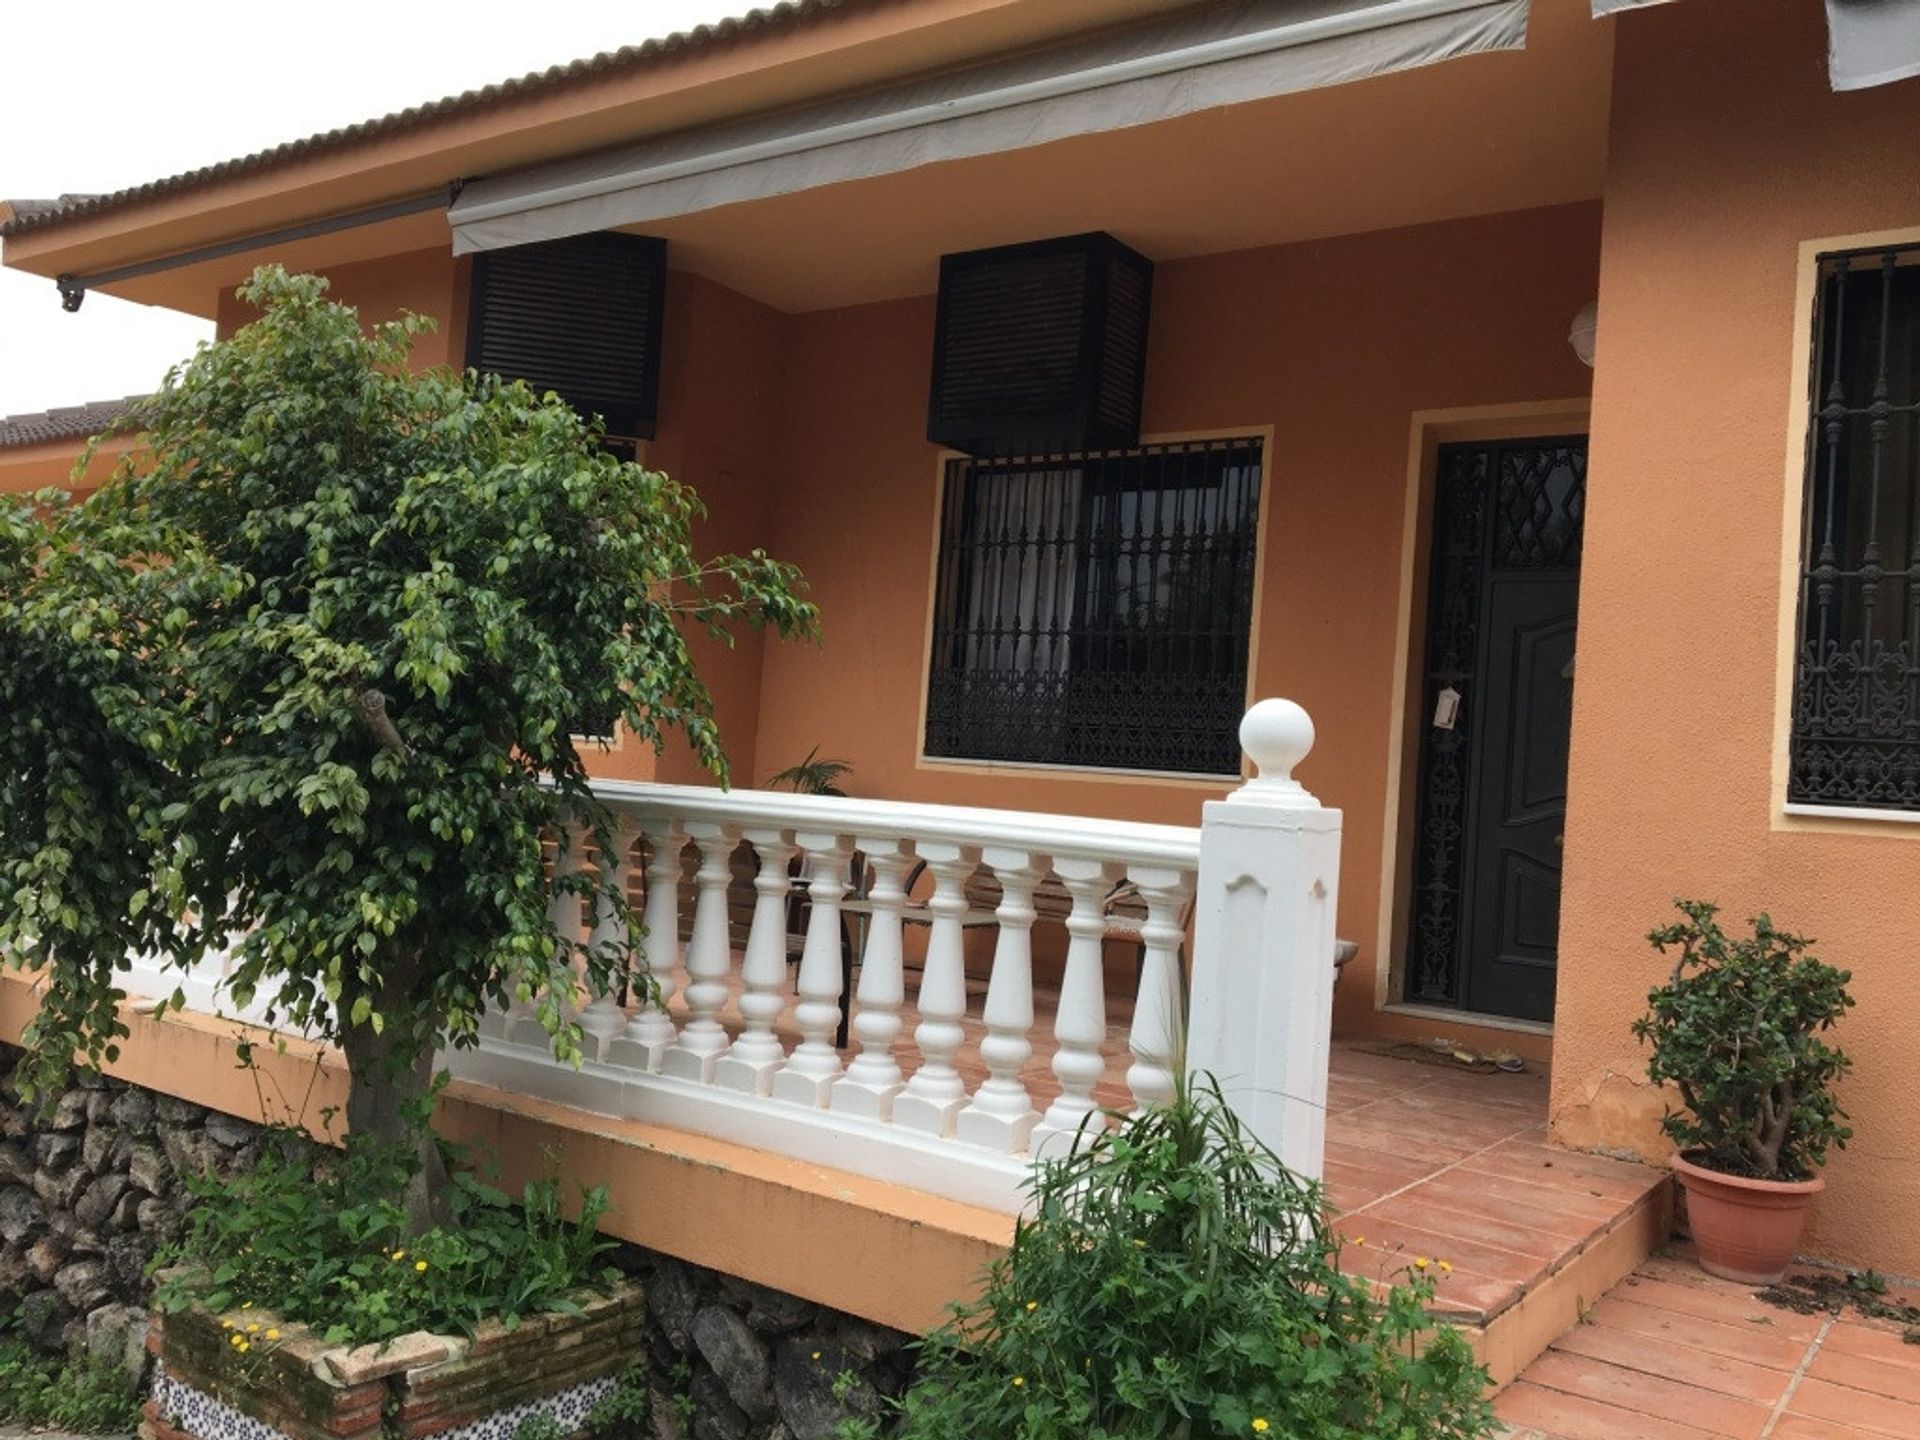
<point x="1334" y="346"/>
<point x="1725" y="158"/>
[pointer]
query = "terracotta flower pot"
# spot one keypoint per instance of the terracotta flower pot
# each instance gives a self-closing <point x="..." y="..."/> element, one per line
<point x="1744" y="1229"/>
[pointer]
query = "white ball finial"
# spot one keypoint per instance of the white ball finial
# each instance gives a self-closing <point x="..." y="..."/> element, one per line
<point x="1276" y="735"/>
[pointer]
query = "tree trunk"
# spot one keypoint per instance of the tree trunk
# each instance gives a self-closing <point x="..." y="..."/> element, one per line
<point x="385" y="1094"/>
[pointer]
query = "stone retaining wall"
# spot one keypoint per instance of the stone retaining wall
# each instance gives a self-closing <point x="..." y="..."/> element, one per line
<point x="93" y="1185"/>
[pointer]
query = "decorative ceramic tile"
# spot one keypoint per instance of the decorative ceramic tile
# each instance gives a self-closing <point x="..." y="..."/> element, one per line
<point x="207" y="1418"/>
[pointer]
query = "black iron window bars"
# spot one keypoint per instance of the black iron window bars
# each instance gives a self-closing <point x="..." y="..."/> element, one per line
<point x="1095" y="610"/>
<point x="1856" y="693"/>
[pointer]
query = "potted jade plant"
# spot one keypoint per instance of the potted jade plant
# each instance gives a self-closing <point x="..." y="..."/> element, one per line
<point x="1737" y="1030"/>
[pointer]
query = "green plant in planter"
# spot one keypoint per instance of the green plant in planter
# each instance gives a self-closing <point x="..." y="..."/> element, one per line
<point x="1737" y="1030"/>
<point x="321" y="1237"/>
<point x="305" y="674"/>
<point x="1177" y="1281"/>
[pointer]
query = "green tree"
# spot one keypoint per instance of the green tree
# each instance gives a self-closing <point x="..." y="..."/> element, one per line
<point x="303" y="679"/>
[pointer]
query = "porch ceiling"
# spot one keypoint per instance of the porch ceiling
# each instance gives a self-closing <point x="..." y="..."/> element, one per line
<point x="1479" y="135"/>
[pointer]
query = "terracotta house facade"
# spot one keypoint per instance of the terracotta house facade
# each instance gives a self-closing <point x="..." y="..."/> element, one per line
<point x="1367" y="469"/>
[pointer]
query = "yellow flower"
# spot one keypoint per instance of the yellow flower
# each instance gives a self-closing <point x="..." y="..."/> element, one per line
<point x="226" y="1324"/>
<point x="244" y="1347"/>
<point x="246" y="1304"/>
<point x="272" y="1334"/>
<point x="235" y="1341"/>
<point x="419" y="1265"/>
<point x="1033" y="1305"/>
<point x="1420" y="1262"/>
<point x="1360" y="1240"/>
<point x="253" y="1328"/>
<point x="1446" y="1268"/>
<point x="399" y="1255"/>
<point x="816" y="1354"/>
<point x="1019" y="1381"/>
<point x="1260" y="1425"/>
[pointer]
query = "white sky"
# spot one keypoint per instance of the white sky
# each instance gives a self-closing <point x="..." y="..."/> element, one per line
<point x="102" y="94"/>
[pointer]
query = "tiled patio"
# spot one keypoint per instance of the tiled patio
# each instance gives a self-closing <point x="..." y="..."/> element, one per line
<point x="1449" y="1164"/>
<point x="1674" y="1354"/>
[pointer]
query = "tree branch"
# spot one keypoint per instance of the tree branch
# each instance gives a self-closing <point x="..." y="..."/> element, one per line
<point x="371" y="708"/>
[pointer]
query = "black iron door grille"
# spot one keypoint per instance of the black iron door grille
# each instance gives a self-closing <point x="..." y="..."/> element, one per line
<point x="1856" y="690"/>
<point x="1499" y="510"/>
<point x="1095" y="610"/>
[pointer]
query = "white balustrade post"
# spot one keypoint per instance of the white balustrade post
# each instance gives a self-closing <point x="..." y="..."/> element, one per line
<point x="603" y="1019"/>
<point x="1262" y="1002"/>
<point x="936" y="1092"/>
<point x="873" y="1078"/>
<point x="703" y="1040"/>
<point x="1158" y="1037"/>
<point x="757" y="1052"/>
<point x="643" y="1044"/>
<point x="807" y="1077"/>
<point x="1001" y="1115"/>
<point x="1080" y="1024"/>
<point x="563" y="919"/>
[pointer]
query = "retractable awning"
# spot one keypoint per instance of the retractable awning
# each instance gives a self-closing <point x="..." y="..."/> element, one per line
<point x="1220" y="56"/>
<point x="1869" y="42"/>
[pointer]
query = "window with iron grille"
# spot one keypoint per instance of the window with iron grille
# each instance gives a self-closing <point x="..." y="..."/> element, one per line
<point x="1856" y="693"/>
<point x="1094" y="610"/>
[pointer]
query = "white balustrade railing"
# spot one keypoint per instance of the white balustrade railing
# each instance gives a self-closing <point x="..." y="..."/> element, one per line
<point x="938" y="1087"/>
<point x="943" y="1085"/>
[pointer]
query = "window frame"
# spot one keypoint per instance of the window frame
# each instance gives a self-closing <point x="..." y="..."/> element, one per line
<point x="1216" y="782"/>
<point x="1786" y="815"/>
<point x="1815" y="490"/>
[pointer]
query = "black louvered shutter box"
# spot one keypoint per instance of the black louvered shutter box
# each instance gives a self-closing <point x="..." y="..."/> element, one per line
<point x="580" y="317"/>
<point x="1041" y="347"/>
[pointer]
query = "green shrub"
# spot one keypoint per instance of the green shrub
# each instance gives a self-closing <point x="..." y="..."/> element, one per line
<point x="322" y="1239"/>
<point x="1736" y="1029"/>
<point x="90" y="1396"/>
<point x="1177" y="1281"/>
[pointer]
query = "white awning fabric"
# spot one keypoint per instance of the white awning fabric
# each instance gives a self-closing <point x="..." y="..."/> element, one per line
<point x="1869" y="42"/>
<point x="1222" y="56"/>
<point x="1872" y="42"/>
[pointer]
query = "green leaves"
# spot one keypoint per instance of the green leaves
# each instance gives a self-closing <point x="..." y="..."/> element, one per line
<point x="308" y="672"/>
<point x="1737" y="1030"/>
<point x="1177" y="1280"/>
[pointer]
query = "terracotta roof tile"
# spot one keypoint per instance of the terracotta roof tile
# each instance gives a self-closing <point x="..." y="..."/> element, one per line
<point x="71" y="422"/>
<point x="37" y="214"/>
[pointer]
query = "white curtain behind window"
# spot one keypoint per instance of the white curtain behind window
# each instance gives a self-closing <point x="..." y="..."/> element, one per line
<point x="1019" y="602"/>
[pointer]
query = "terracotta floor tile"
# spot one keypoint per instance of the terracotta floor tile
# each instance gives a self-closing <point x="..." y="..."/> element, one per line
<point x="1521" y="1199"/>
<point x="1670" y="1360"/>
<point x="1542" y="1166"/>
<point x="1402" y="1243"/>
<point x="1716" y="1300"/>
<point x="1801" y="1427"/>
<point x="1649" y="1395"/>
<point x="1842" y="1405"/>
<point x="1869" y="1373"/>
<point x="1884" y="1346"/>
<point x="1486" y="1227"/>
<point x="1353" y="1130"/>
<point x="1738" y="1341"/>
<point x="1575" y="1417"/>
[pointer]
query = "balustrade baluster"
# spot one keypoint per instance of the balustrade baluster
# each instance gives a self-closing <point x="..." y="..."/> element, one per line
<point x="703" y="1040"/>
<point x="603" y="1019"/>
<point x="1001" y="1116"/>
<point x="750" y="1064"/>
<point x="935" y="1093"/>
<point x="1158" y="1037"/>
<point x="807" y="1077"/>
<point x="873" y="1078"/>
<point x="643" y="1044"/>
<point x="1080" y="1024"/>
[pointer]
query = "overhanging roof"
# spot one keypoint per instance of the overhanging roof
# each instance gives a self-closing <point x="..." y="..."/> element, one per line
<point x="1196" y="61"/>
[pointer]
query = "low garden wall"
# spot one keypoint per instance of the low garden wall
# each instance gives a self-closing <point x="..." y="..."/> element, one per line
<point x="93" y="1184"/>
